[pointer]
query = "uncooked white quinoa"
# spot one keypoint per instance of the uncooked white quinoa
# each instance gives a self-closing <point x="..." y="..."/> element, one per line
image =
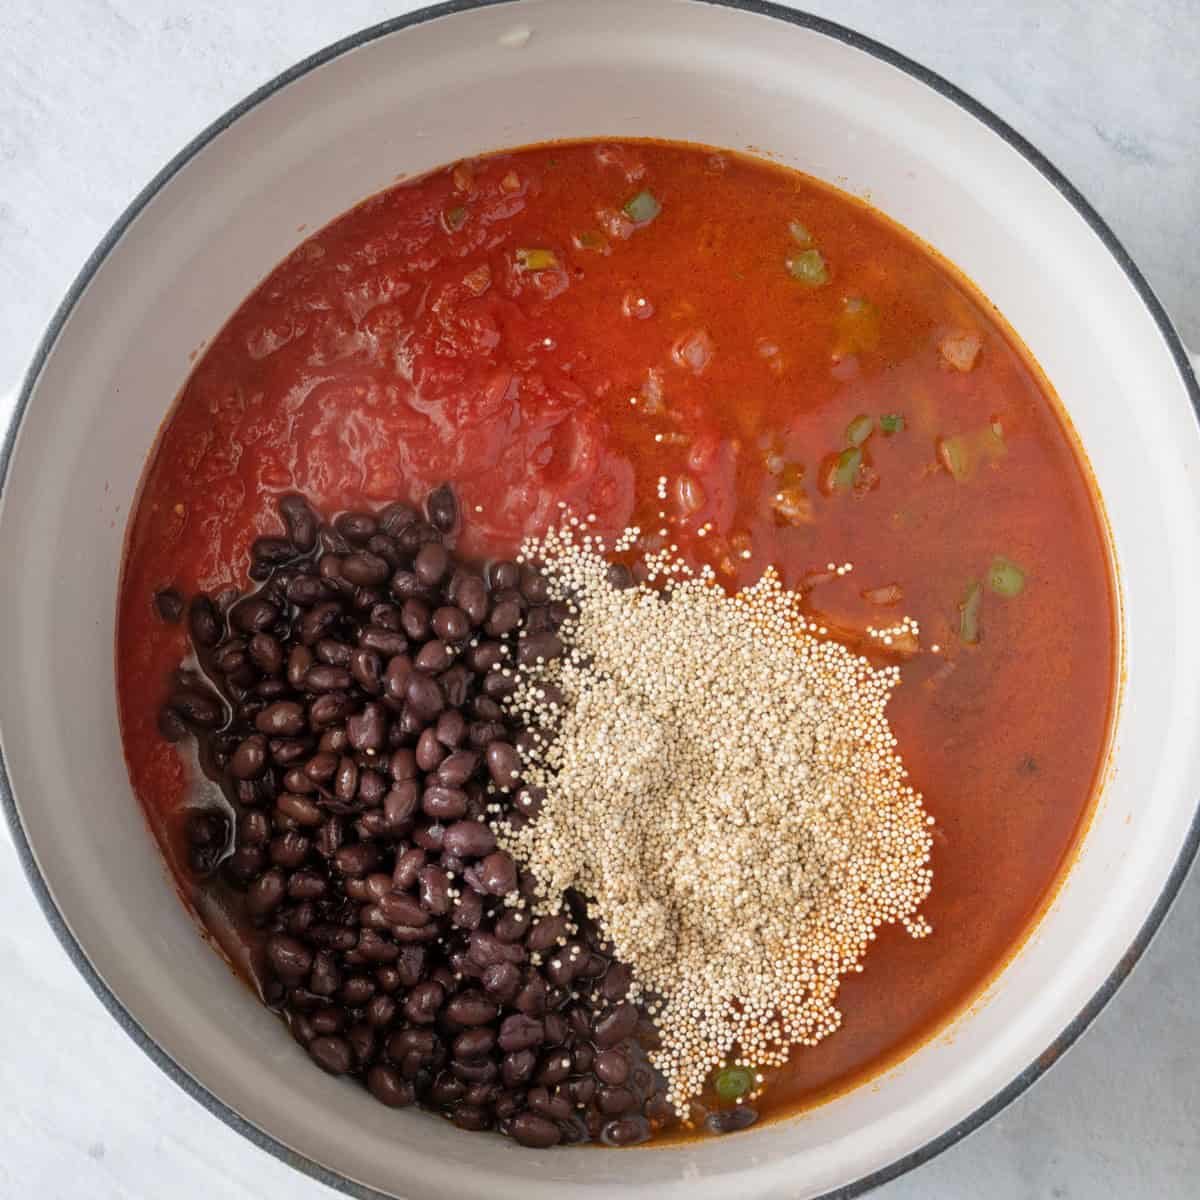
<point x="722" y="783"/>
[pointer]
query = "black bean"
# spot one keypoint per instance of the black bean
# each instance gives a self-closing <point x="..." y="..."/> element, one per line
<point x="300" y="809"/>
<point x="531" y="999"/>
<point x="625" y="1131"/>
<point x="615" y="1024"/>
<point x="423" y="695"/>
<point x="331" y="1054"/>
<point x="470" y="1008"/>
<point x="498" y="873"/>
<point x="504" y="574"/>
<point x="519" y="1032"/>
<point x="553" y="1067"/>
<point x="365" y="569"/>
<point x="356" y="527"/>
<point x="300" y="520"/>
<point x="431" y="563"/>
<point x="306" y="590"/>
<point x="168" y="603"/>
<point x="455" y="769"/>
<point x="616" y="982"/>
<point x="539" y="1133"/>
<point x="285" y="718"/>
<point x="451" y="731"/>
<point x="289" y="849"/>
<point x="396" y="517"/>
<point x="501" y="981"/>
<point x="467" y="1116"/>
<point x="290" y="959"/>
<point x="318" y="620"/>
<point x="381" y="1010"/>
<point x="266" y="653"/>
<point x="447" y="1090"/>
<point x="534" y="587"/>
<point x="199" y="706"/>
<point x="204" y="625"/>
<point x="416" y="535"/>
<point x="372" y="787"/>
<point x="429" y="836"/>
<point x="415" y="617"/>
<point x="434" y="890"/>
<point x="249" y="760"/>
<point x="539" y="647"/>
<point x="375" y="948"/>
<point x="469" y="839"/>
<point x="424" y="1002"/>
<point x="441" y="507"/>
<point x="384" y="642"/>
<point x="433" y="657"/>
<point x="730" y="1120"/>
<point x="332" y="652"/>
<point x="477" y="1070"/>
<point x="389" y="1087"/>
<point x="357" y="860"/>
<point x="402" y="910"/>
<point x="455" y="684"/>
<point x="367" y="730"/>
<point x="473" y="1043"/>
<point x="444" y="803"/>
<point x="504" y="618"/>
<point x="472" y="597"/>
<point x="400" y="803"/>
<point x="298" y="661"/>
<point x="517" y="1067"/>
<point x="482" y="732"/>
<point x="512" y="925"/>
<point x="323" y="678"/>
<point x="171" y="726"/>
<point x="270" y="552"/>
<point x="254" y="614"/>
<point x="503" y="764"/>
<point x="450" y="623"/>
<point x="499" y="684"/>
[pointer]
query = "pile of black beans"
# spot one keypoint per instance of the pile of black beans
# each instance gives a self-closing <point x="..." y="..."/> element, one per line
<point x="350" y="707"/>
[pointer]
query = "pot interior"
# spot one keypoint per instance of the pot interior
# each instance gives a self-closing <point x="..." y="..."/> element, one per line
<point x="513" y="74"/>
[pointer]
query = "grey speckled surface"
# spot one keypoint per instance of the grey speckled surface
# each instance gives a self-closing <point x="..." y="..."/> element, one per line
<point x="95" y="95"/>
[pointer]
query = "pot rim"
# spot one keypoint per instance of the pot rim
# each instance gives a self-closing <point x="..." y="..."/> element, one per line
<point x="764" y="8"/>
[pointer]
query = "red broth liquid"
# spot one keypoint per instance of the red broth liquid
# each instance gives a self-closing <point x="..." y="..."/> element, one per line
<point x="404" y="345"/>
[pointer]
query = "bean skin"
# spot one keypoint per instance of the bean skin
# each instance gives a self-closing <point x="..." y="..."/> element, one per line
<point x="289" y="959"/>
<point x="331" y="1054"/>
<point x="285" y="718"/>
<point x="469" y="839"/>
<point x="389" y="1087"/>
<point x="615" y="1024"/>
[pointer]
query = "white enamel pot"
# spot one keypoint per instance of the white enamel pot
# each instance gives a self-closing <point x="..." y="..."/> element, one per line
<point x="456" y="80"/>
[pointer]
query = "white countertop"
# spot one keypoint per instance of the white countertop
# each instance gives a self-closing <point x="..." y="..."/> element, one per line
<point x="95" y="95"/>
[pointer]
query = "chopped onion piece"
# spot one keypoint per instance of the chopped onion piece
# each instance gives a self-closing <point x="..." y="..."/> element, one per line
<point x="960" y="351"/>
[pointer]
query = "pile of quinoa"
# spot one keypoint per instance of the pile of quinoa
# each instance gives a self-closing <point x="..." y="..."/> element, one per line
<point x="721" y="783"/>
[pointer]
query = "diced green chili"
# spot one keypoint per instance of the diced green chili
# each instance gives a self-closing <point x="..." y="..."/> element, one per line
<point x="642" y="208"/>
<point x="800" y="233"/>
<point x="536" y="260"/>
<point x="1005" y="578"/>
<point x="859" y="429"/>
<point x="968" y="613"/>
<point x="892" y="423"/>
<point x="809" y="268"/>
<point x="733" y="1082"/>
<point x="453" y="218"/>
<point x="846" y="470"/>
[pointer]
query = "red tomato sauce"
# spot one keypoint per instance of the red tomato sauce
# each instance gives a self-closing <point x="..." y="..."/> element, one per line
<point x="405" y="345"/>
